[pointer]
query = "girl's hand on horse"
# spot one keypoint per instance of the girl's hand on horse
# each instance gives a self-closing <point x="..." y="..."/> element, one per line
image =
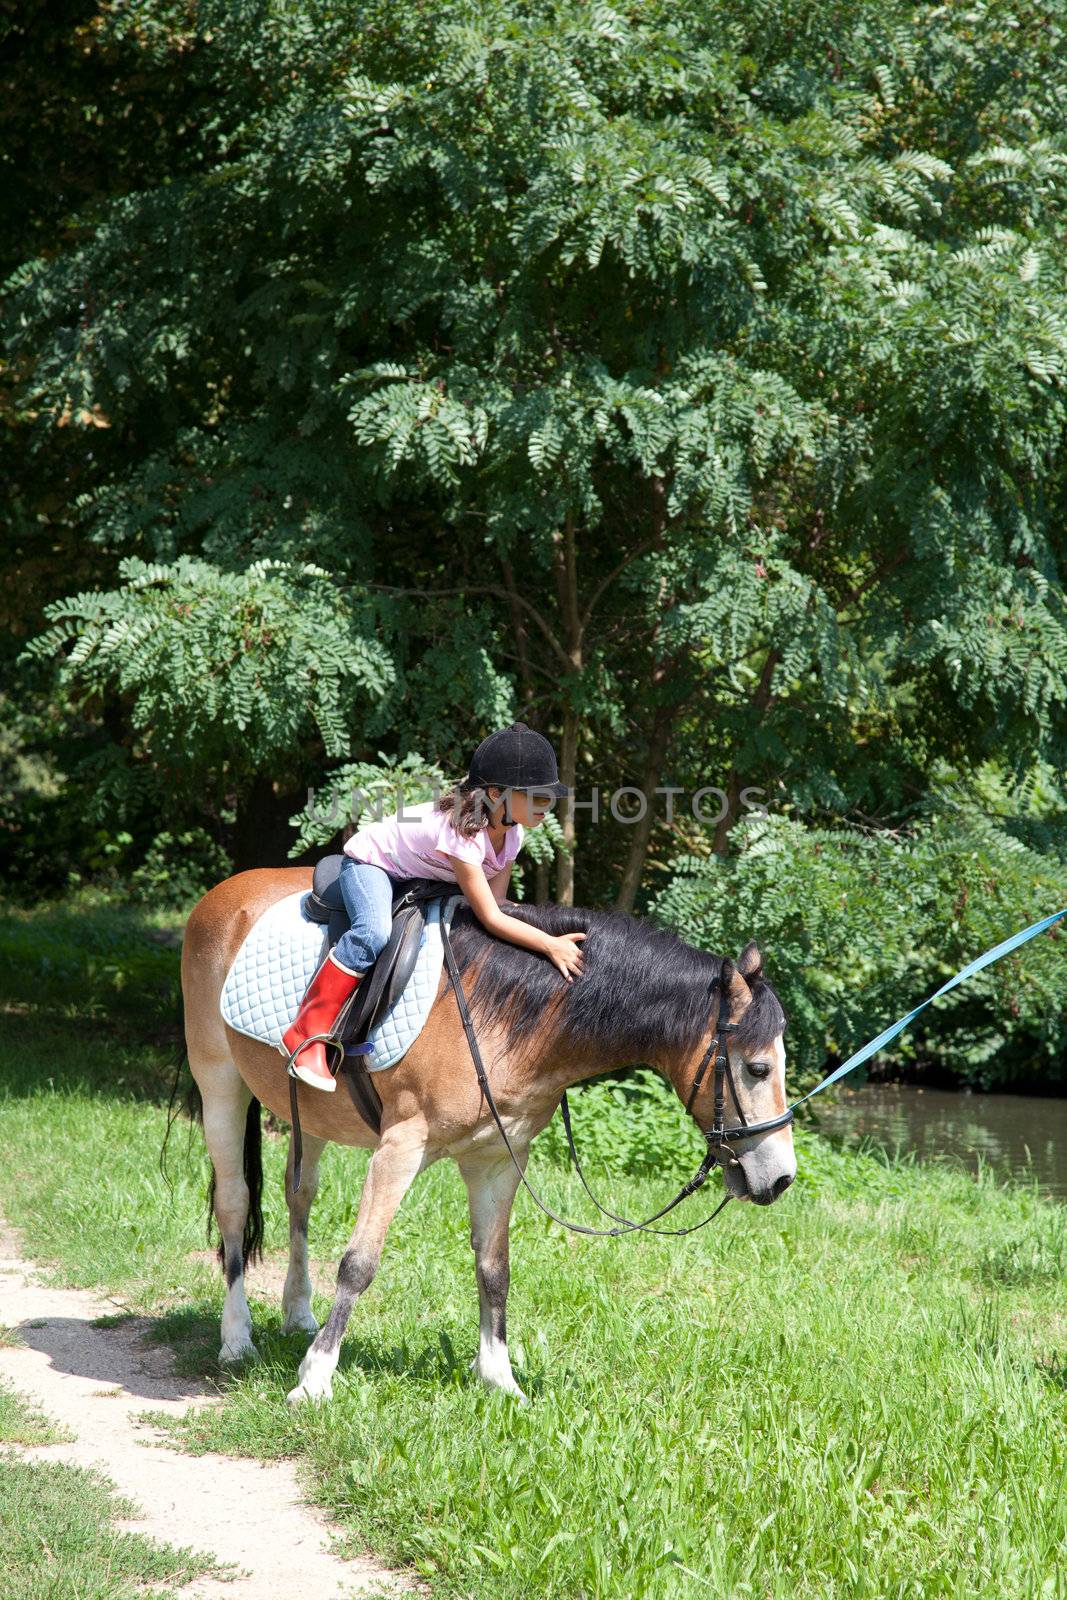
<point x="562" y="950"/>
<point x="564" y="953"/>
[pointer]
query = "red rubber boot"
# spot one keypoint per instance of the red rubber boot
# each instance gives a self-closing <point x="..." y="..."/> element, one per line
<point x="323" y="1000"/>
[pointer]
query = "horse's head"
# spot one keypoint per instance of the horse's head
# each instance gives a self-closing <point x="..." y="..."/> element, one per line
<point x="763" y="1167"/>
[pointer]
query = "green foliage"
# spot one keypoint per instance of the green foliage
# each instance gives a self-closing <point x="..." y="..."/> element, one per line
<point x="768" y="308"/>
<point x="634" y="1125"/>
<point x="858" y="926"/>
<point x="453" y="683"/>
<point x="44" y="831"/>
<point x="362" y="791"/>
<point x="544" y="842"/>
<point x="220" y="672"/>
<point x="178" y="868"/>
<point x="215" y="656"/>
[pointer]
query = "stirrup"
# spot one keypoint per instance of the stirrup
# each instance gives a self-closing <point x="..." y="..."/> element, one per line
<point x="328" y="1040"/>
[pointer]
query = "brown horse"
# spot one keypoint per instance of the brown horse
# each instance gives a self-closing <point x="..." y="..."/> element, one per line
<point x="643" y="995"/>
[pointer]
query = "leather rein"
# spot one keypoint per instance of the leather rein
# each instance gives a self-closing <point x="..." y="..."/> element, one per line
<point x="719" y="1137"/>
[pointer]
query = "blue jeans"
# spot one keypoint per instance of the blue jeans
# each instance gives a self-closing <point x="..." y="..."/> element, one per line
<point x="367" y="892"/>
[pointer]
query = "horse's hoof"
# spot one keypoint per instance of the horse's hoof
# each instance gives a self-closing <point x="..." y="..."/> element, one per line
<point x="500" y="1383"/>
<point x="237" y="1350"/>
<point x="497" y="1374"/>
<point x="300" y="1322"/>
<point x="512" y="1391"/>
<point x="302" y="1394"/>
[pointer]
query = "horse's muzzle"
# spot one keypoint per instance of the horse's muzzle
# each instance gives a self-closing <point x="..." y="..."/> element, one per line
<point x="767" y="1196"/>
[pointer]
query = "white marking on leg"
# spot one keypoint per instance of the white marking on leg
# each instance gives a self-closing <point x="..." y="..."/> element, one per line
<point x="237" y="1327"/>
<point x="493" y="1365"/>
<point x="315" y="1377"/>
<point x="224" y="1130"/>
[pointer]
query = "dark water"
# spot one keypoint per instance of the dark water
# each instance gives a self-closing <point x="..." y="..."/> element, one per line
<point x="1015" y="1134"/>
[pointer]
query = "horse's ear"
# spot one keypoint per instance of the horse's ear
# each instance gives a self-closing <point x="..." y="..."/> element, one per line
<point x="750" y="964"/>
<point x="735" y="987"/>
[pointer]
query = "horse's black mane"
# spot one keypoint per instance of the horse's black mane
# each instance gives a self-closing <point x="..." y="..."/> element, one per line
<point x="642" y="989"/>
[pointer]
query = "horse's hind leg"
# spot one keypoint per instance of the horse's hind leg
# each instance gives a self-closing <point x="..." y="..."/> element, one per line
<point x="226" y="1101"/>
<point x="296" y="1296"/>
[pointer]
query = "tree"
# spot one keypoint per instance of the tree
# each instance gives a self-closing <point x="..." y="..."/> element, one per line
<point x="222" y="677"/>
<point x="713" y="358"/>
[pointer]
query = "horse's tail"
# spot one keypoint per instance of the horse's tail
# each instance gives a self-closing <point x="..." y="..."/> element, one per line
<point x="252" y="1242"/>
<point x="193" y="1105"/>
<point x="191" y="1102"/>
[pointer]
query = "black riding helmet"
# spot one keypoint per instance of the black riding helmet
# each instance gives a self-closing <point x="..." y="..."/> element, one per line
<point x="517" y="757"/>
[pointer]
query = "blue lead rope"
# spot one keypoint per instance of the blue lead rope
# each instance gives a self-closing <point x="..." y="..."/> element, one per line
<point x="1003" y="949"/>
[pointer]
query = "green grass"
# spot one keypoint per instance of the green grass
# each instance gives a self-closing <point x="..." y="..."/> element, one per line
<point x="22" y="1423"/>
<point x="859" y="1392"/>
<point x="57" y="1538"/>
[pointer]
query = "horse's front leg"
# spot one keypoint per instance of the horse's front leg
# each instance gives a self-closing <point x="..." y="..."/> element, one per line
<point x="296" y="1296"/>
<point x="396" y="1162"/>
<point x="491" y="1185"/>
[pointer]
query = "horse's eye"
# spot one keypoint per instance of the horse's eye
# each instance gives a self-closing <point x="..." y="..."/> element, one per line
<point x="758" y="1069"/>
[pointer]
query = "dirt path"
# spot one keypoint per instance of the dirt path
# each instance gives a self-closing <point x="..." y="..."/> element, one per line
<point x="95" y="1381"/>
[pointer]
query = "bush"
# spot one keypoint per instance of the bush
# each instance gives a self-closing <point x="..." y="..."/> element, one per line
<point x="858" y="927"/>
<point x="179" y="868"/>
<point x="92" y="958"/>
<point x="635" y="1125"/>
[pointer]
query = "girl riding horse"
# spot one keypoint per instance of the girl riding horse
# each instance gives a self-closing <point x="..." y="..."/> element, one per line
<point x="469" y="837"/>
<point x="642" y="995"/>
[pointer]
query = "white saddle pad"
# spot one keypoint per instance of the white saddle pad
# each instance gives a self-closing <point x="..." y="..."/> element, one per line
<point x="282" y="953"/>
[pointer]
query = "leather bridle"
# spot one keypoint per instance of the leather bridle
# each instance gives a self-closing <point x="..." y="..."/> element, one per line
<point x="719" y="1135"/>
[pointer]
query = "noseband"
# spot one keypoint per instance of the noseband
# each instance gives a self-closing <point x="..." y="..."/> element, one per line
<point x="719" y="1136"/>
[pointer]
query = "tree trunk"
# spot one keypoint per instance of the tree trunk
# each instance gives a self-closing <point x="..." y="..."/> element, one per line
<point x="261" y="834"/>
<point x="761" y="700"/>
<point x="659" y="735"/>
<point x="641" y="832"/>
<point x="522" y="644"/>
<point x="729" y="816"/>
<point x="566" y="564"/>
<point x="568" y="760"/>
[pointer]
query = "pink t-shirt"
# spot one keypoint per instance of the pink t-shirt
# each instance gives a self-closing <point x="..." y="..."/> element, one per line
<point x="409" y="844"/>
